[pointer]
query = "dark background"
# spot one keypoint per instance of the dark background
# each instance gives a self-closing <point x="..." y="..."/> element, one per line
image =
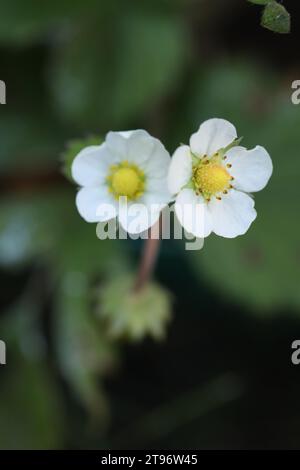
<point x="222" y="377"/>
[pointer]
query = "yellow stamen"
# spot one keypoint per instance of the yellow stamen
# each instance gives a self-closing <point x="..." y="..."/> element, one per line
<point x="126" y="180"/>
<point x="211" y="179"/>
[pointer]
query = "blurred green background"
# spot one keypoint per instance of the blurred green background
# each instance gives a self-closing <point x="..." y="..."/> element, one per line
<point x="222" y="376"/>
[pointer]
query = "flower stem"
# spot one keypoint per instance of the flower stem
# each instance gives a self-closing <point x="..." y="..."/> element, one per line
<point x="149" y="256"/>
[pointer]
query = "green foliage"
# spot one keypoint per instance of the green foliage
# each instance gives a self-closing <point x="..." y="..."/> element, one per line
<point x="25" y="22"/>
<point x="102" y="77"/>
<point x="30" y="227"/>
<point x="150" y="67"/>
<point x="31" y="406"/>
<point x="30" y="410"/>
<point x="36" y="137"/>
<point x="47" y="228"/>
<point x="84" y="352"/>
<point x="275" y="16"/>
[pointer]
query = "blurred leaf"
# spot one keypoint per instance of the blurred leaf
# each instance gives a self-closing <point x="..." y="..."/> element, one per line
<point x="35" y="145"/>
<point x="134" y="314"/>
<point x="47" y="226"/>
<point x="30" y="408"/>
<point x="237" y="90"/>
<point x="82" y="78"/>
<point x="31" y="405"/>
<point x="24" y="22"/>
<point x="30" y="226"/>
<point x="84" y="352"/>
<point x="31" y="134"/>
<point x="168" y="417"/>
<point x="104" y="77"/>
<point x="80" y="250"/>
<point x="21" y="325"/>
<point x="73" y="148"/>
<point x="149" y="67"/>
<point x="276" y="18"/>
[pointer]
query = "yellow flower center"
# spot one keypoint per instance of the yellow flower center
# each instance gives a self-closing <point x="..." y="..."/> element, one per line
<point x="126" y="180"/>
<point x="211" y="178"/>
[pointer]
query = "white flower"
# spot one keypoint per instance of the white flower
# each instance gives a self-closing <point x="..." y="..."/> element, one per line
<point x="129" y="166"/>
<point x="211" y="178"/>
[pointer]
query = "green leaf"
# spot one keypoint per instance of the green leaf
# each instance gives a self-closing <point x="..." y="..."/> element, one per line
<point x="30" y="408"/>
<point x="30" y="132"/>
<point x="276" y="18"/>
<point x="31" y="226"/>
<point x="25" y="22"/>
<point x="35" y="145"/>
<point x="104" y="77"/>
<point x="84" y="352"/>
<point x="47" y="226"/>
<point x="31" y="403"/>
<point x="148" y="68"/>
<point x="245" y="89"/>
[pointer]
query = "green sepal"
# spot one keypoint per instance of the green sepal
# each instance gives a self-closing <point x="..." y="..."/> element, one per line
<point x="234" y="143"/>
<point x="189" y="185"/>
<point x="195" y="159"/>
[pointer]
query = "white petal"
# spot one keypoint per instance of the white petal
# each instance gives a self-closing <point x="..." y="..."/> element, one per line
<point x="251" y="169"/>
<point x="192" y="212"/>
<point x="125" y="134"/>
<point x="137" y="217"/>
<point x="157" y="165"/>
<point x="212" y="135"/>
<point x="95" y="204"/>
<point x="128" y="144"/>
<point x="156" y="192"/>
<point x="89" y="167"/>
<point x="140" y="147"/>
<point x="117" y="143"/>
<point x="233" y="215"/>
<point x="180" y="170"/>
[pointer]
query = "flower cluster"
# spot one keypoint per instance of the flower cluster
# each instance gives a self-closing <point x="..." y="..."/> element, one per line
<point x="210" y="180"/>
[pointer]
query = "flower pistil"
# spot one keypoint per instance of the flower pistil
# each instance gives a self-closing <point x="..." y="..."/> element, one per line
<point x="210" y="176"/>
<point x="127" y="180"/>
